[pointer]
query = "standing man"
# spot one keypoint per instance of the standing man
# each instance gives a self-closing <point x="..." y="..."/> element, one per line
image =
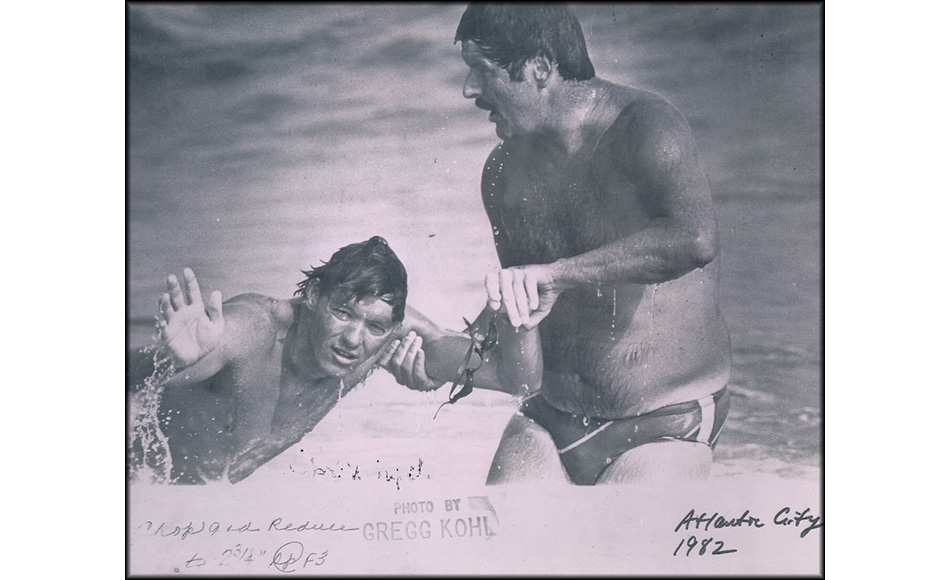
<point x="604" y="225"/>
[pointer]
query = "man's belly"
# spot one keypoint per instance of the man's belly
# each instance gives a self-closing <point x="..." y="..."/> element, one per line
<point x="622" y="360"/>
<point x="615" y="398"/>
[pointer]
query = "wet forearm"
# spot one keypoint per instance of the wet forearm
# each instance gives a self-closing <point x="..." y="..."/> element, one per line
<point x="445" y="354"/>
<point x="515" y="365"/>
<point x="511" y="365"/>
<point x="655" y="254"/>
<point x="444" y="349"/>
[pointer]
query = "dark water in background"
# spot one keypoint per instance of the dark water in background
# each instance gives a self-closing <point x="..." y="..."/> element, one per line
<point x="262" y="138"/>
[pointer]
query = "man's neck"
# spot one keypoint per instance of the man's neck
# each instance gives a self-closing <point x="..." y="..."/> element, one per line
<point x="298" y="359"/>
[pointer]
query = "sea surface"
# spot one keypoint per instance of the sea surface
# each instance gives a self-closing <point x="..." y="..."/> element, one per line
<point x="262" y="138"/>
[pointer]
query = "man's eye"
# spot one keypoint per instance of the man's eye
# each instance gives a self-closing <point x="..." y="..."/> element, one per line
<point x="341" y="314"/>
<point x="376" y="330"/>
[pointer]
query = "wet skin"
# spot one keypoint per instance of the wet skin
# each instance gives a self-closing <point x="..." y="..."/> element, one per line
<point x="604" y="224"/>
<point x="280" y="367"/>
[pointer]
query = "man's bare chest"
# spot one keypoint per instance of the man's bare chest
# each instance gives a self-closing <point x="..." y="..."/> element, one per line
<point x="560" y="209"/>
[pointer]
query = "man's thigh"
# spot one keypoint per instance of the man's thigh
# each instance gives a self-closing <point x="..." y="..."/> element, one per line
<point x="526" y="453"/>
<point x="661" y="461"/>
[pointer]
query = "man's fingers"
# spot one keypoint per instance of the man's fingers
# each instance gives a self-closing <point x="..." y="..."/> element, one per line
<point x="531" y="286"/>
<point x="388" y="353"/>
<point x="419" y="367"/>
<point x="165" y="306"/>
<point x="535" y="319"/>
<point x="215" y="308"/>
<point x="192" y="291"/>
<point x="403" y="348"/>
<point x="422" y="379"/>
<point x="520" y="293"/>
<point x="508" y="297"/>
<point x="413" y="381"/>
<point x="174" y="291"/>
<point x="491" y="287"/>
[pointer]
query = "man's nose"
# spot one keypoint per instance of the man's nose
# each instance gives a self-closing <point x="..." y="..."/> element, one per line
<point x="470" y="89"/>
<point x="352" y="336"/>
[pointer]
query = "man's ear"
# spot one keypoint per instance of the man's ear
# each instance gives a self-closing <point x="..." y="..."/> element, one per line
<point x="311" y="295"/>
<point x="541" y="69"/>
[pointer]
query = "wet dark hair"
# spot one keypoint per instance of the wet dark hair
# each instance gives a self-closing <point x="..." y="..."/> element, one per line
<point x="359" y="270"/>
<point x="511" y="34"/>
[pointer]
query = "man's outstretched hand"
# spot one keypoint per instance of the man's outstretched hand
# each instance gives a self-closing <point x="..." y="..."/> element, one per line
<point x="188" y="331"/>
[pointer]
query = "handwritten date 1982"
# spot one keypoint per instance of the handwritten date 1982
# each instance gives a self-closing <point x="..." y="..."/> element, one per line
<point x="691" y="543"/>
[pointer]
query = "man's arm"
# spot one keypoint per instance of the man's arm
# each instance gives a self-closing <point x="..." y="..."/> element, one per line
<point x="656" y="152"/>
<point x="428" y="356"/>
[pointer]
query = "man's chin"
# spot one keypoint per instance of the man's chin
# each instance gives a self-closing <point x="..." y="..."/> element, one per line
<point x="335" y="368"/>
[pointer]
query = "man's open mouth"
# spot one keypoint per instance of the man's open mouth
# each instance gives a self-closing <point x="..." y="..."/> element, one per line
<point x="344" y="356"/>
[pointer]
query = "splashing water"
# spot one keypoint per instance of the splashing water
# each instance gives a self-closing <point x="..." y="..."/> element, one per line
<point x="147" y="450"/>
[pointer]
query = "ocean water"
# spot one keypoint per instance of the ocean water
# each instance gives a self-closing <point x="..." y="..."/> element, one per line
<point x="261" y="138"/>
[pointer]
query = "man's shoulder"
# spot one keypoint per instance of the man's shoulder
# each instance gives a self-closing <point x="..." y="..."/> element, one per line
<point x="647" y="128"/>
<point x="642" y="110"/>
<point x="251" y="310"/>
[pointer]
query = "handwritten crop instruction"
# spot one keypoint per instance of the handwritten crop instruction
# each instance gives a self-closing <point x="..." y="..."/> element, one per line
<point x="328" y="530"/>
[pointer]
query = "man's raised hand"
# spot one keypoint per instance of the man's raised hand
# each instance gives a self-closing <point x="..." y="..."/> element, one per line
<point x="187" y="331"/>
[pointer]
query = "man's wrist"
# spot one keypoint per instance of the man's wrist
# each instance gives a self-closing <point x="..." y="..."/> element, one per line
<point x="561" y="274"/>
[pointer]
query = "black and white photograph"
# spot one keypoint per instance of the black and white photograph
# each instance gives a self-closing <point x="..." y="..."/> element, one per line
<point x="474" y="289"/>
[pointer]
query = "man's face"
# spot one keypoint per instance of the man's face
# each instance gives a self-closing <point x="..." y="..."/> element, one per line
<point x="344" y="334"/>
<point x="513" y="105"/>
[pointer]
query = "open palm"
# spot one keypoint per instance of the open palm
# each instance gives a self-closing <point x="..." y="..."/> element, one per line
<point x="187" y="331"/>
